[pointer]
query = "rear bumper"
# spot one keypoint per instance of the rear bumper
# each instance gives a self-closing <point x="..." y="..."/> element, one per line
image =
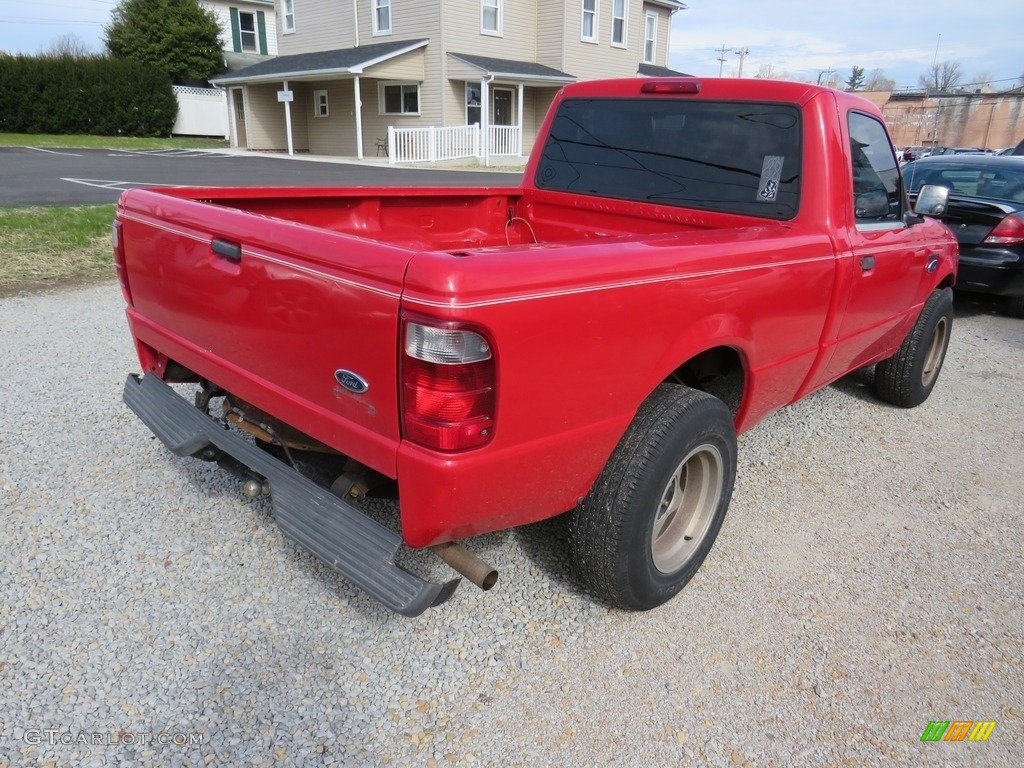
<point x="336" y="532"/>
<point x="991" y="270"/>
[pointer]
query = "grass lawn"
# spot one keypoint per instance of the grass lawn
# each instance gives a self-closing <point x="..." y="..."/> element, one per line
<point x="106" y="142"/>
<point x="40" y="246"/>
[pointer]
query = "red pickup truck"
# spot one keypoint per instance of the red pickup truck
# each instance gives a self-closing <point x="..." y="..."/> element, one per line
<point x="681" y="258"/>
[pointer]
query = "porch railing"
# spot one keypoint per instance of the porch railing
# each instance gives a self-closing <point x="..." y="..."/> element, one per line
<point x="504" y="141"/>
<point x="433" y="143"/>
<point x="427" y="145"/>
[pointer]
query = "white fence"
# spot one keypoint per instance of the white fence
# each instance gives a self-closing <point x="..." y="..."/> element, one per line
<point x="201" y="112"/>
<point x="504" y="141"/>
<point x="433" y="143"/>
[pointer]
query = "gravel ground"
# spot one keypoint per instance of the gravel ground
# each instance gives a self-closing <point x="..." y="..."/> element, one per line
<point x="867" y="581"/>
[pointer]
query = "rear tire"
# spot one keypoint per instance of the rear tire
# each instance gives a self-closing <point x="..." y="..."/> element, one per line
<point x="907" y="378"/>
<point x="1015" y="306"/>
<point x="657" y="507"/>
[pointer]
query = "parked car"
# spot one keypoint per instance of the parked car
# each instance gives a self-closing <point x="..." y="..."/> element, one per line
<point x="986" y="213"/>
<point x="956" y="151"/>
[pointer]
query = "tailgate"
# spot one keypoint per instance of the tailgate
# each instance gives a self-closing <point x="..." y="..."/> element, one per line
<point x="272" y="310"/>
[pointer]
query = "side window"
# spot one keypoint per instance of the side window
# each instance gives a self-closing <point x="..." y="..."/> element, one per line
<point x="619" y="14"/>
<point x="399" y="98"/>
<point x="381" y="17"/>
<point x="876" y="176"/>
<point x="472" y="103"/>
<point x="288" y="14"/>
<point x="588" y="31"/>
<point x="320" y="107"/>
<point x="490" y="17"/>
<point x="650" y="36"/>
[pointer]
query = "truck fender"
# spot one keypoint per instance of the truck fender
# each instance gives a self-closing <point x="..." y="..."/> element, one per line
<point x="701" y="341"/>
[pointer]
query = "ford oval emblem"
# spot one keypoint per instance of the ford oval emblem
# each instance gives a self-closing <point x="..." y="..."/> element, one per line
<point x="353" y="382"/>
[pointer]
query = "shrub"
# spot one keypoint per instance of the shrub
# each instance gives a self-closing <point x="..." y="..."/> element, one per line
<point x="93" y="95"/>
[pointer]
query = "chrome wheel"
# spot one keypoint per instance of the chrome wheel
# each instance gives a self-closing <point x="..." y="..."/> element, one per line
<point x="936" y="352"/>
<point x="687" y="507"/>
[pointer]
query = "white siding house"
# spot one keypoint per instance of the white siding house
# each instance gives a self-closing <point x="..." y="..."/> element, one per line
<point x="432" y="79"/>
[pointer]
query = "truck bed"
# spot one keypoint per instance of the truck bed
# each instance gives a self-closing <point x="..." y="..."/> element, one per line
<point x="453" y="219"/>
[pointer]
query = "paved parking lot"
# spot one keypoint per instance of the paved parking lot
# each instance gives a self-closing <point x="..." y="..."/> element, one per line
<point x="35" y="176"/>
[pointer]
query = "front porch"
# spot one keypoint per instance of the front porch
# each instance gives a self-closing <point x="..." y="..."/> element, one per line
<point x="374" y="101"/>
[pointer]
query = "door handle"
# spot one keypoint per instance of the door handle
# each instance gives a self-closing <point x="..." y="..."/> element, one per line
<point x="227" y="249"/>
<point x="867" y="263"/>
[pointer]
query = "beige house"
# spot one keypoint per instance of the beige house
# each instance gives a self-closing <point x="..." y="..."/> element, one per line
<point x="434" y="79"/>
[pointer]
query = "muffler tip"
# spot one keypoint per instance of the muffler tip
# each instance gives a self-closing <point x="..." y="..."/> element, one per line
<point x="469" y="565"/>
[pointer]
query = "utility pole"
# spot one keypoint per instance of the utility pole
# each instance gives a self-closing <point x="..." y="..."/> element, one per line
<point x="721" y="57"/>
<point x="742" y="53"/>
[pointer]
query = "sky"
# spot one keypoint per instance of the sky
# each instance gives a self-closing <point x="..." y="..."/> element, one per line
<point x="801" y="39"/>
<point x="804" y="38"/>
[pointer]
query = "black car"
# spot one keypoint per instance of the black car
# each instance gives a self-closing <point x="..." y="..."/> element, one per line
<point x="986" y="213"/>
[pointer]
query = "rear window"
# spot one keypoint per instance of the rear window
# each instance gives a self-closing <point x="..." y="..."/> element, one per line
<point x="967" y="180"/>
<point x="739" y="157"/>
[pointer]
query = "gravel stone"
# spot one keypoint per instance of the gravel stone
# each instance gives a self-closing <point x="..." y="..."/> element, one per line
<point x="869" y="579"/>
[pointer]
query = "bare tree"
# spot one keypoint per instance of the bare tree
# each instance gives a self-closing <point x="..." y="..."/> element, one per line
<point x="980" y="82"/>
<point x="877" y="81"/>
<point x="68" y="45"/>
<point x="767" y="72"/>
<point x="943" y="76"/>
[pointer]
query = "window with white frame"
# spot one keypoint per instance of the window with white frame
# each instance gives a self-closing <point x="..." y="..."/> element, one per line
<point x="288" y="14"/>
<point x="381" y="17"/>
<point x="472" y="103"/>
<point x="490" y="17"/>
<point x="320" y="108"/>
<point x="399" y="98"/>
<point x="620" y="11"/>
<point x="247" y="39"/>
<point x="588" y="30"/>
<point x="650" y="36"/>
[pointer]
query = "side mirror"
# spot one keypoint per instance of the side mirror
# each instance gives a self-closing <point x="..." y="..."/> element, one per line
<point x="931" y="200"/>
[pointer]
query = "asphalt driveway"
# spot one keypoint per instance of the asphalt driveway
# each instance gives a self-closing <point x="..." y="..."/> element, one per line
<point x="33" y="176"/>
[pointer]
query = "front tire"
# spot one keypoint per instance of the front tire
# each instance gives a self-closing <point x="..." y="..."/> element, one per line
<point x="657" y="507"/>
<point x="908" y="377"/>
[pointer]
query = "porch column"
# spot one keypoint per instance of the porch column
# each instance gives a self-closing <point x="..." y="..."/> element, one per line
<point x="359" y="118"/>
<point x="288" y="121"/>
<point x="519" y="147"/>
<point x="485" y="119"/>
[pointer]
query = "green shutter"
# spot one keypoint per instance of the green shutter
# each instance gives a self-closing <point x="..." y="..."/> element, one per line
<point x="236" y="32"/>
<point x="261" y="28"/>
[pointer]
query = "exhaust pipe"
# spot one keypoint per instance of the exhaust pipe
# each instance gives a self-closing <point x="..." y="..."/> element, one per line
<point x="467" y="564"/>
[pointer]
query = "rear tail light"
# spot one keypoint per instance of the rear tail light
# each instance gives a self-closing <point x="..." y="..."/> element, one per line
<point x="1009" y="231"/>
<point x="117" y="241"/>
<point x="448" y="383"/>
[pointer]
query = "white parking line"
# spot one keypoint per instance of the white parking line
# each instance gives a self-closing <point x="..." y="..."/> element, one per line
<point x="53" y="151"/>
<point x="166" y="153"/>
<point x="114" y="184"/>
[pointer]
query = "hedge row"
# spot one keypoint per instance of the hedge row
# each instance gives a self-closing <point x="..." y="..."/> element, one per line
<point x="92" y="96"/>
